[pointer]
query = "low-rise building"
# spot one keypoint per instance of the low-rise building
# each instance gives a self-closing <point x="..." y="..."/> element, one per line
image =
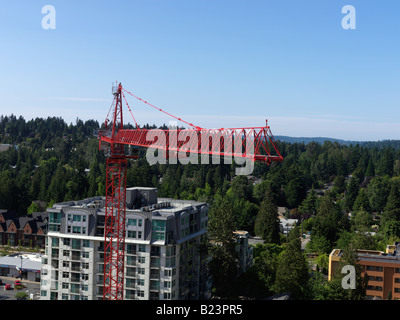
<point x="23" y="230"/>
<point x="24" y="265"/>
<point x="382" y="269"/>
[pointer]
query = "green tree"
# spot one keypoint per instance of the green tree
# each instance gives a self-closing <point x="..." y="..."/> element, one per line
<point x="362" y="201"/>
<point x="33" y="208"/>
<point x="266" y="258"/>
<point x="378" y="190"/>
<point x="370" y="172"/>
<point x="267" y="222"/>
<point x="351" y="193"/>
<point x="292" y="271"/>
<point x="223" y="267"/>
<point x="309" y="204"/>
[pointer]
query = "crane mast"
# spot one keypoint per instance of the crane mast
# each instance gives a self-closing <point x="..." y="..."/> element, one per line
<point x="115" y="209"/>
<point x="115" y="137"/>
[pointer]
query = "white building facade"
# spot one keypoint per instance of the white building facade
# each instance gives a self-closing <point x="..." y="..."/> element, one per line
<point x="163" y="249"/>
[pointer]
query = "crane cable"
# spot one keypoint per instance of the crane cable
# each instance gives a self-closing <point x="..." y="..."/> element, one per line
<point x="130" y="110"/>
<point x="179" y="119"/>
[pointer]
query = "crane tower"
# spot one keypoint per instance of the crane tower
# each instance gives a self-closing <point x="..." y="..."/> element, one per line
<point x="113" y="137"/>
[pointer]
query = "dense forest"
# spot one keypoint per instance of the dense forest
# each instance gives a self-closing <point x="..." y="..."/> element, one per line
<point x="346" y="196"/>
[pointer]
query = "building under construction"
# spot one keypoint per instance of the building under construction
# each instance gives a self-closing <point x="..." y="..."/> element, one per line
<point x="162" y="250"/>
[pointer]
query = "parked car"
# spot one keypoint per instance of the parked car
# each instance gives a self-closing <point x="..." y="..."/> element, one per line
<point x="17" y="283"/>
<point x="8" y="286"/>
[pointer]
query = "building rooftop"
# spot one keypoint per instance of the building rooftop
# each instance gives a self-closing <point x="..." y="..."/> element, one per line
<point x="29" y="261"/>
<point x="392" y="254"/>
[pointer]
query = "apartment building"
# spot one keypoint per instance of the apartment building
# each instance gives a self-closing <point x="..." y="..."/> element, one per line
<point x="382" y="269"/>
<point x="163" y="256"/>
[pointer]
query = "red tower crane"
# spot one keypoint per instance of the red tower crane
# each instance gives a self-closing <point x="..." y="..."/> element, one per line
<point x="251" y="144"/>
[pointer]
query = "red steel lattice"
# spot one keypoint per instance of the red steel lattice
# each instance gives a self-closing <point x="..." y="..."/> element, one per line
<point x="253" y="143"/>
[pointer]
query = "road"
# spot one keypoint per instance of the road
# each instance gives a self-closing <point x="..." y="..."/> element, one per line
<point x="30" y="288"/>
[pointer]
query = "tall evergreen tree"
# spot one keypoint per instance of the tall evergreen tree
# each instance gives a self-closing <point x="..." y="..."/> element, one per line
<point x="351" y="193"/>
<point x="267" y="221"/>
<point x="223" y="265"/>
<point x="292" y="272"/>
<point x="370" y="172"/>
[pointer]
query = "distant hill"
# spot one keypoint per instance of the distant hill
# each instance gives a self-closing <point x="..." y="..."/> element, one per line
<point x="320" y="140"/>
<point x="306" y="140"/>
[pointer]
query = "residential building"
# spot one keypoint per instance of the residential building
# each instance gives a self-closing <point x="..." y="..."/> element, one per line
<point x="382" y="269"/>
<point x="25" y="230"/>
<point x="163" y="256"/>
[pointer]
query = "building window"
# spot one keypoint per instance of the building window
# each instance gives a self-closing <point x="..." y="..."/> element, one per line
<point x="170" y="262"/>
<point x="131" y="234"/>
<point x="76" y="244"/>
<point x="130" y="260"/>
<point x="76" y="229"/>
<point x="76" y="217"/>
<point x="54" y="217"/>
<point x="140" y="282"/>
<point x="54" y="242"/>
<point x="171" y="251"/>
<point x="167" y="296"/>
<point x="54" y="227"/>
<point x="132" y="222"/>
<point x="135" y="222"/>
<point x="140" y="293"/>
<point x="158" y="230"/>
<point x="134" y="234"/>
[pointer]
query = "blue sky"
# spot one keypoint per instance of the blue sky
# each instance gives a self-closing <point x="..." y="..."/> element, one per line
<point x="215" y="63"/>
